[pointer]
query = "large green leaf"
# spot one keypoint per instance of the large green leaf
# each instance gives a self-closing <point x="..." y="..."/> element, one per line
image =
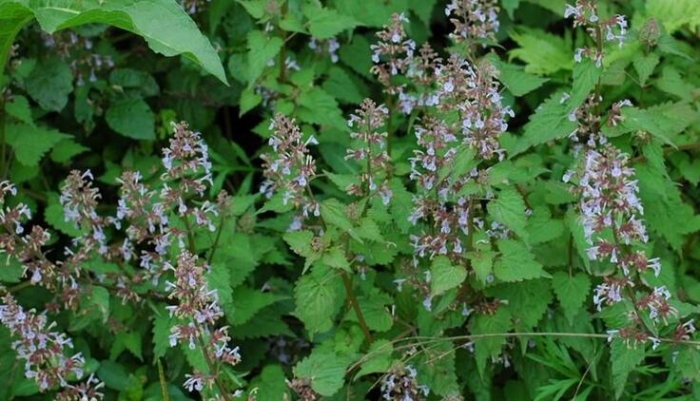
<point x="31" y="142"/>
<point x="132" y="118"/>
<point x="162" y="23"/>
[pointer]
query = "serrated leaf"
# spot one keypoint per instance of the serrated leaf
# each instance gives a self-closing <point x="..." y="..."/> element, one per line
<point x="246" y="303"/>
<point x="586" y="76"/>
<point x="549" y="122"/>
<point x="325" y="370"/>
<point x="325" y="23"/>
<point x="19" y="109"/>
<point x="345" y="89"/>
<point x="129" y="78"/>
<point x="664" y="121"/>
<point x="509" y="209"/>
<point x="262" y="49"/>
<point x="624" y="359"/>
<point x="316" y="295"/>
<point x="543" y="53"/>
<point x="320" y="107"/>
<point x="516" y="263"/>
<point x="515" y="78"/>
<point x="375" y="309"/>
<point x="219" y="279"/>
<point x="50" y="83"/>
<point x="378" y="358"/>
<point x="133" y="118"/>
<point x="645" y="66"/>
<point x="66" y="149"/>
<point x="31" y="142"/>
<point x="482" y="264"/>
<point x="333" y="213"/>
<point x="444" y="276"/>
<point x="527" y="301"/>
<point x="571" y="292"/>
<point x="270" y="384"/>
<point x="335" y="257"/>
<point x="542" y="228"/>
<point x="249" y="100"/>
<point x="13" y="16"/>
<point x="487" y="347"/>
<point x="674" y="14"/>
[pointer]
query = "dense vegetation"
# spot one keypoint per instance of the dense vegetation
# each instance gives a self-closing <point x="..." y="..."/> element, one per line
<point x="343" y="200"/>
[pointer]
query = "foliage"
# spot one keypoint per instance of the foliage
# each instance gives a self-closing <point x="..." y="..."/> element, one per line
<point x="401" y="199"/>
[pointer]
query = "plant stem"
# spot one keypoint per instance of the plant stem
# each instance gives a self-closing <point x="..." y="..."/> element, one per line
<point x="216" y="240"/>
<point x="163" y="382"/>
<point x="355" y="305"/>
<point x="210" y="364"/>
<point x="3" y="152"/>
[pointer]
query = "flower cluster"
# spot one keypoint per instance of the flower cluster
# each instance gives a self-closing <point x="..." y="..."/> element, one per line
<point x="327" y="46"/>
<point x="585" y="14"/>
<point x="396" y="50"/>
<point x="290" y="168"/>
<point x="473" y="19"/>
<point x="197" y="306"/>
<point x="370" y="151"/>
<point x="70" y="46"/>
<point x="400" y="384"/>
<point x="43" y="352"/>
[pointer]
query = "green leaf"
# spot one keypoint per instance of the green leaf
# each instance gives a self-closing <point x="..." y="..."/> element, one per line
<point x="164" y="25"/>
<point x="336" y="258"/>
<point x="527" y="301"/>
<point x="128" y="78"/>
<point x="516" y="263"/>
<point x="586" y="76"/>
<point x="333" y="213"/>
<point x="345" y="89"/>
<point x="509" y="209"/>
<point x="320" y="107"/>
<point x="31" y="142"/>
<point x="444" y="276"/>
<point x="317" y="296"/>
<point x="219" y="279"/>
<point x="300" y="242"/>
<point x="510" y="6"/>
<point x="423" y="9"/>
<point x="375" y="309"/>
<point x="663" y="121"/>
<point x="270" y="384"/>
<point x="132" y="118"/>
<point x="482" y="263"/>
<point x="515" y="78"/>
<point x="571" y="292"/>
<point x="247" y="302"/>
<point x="13" y="16"/>
<point x="262" y="49"/>
<point x="645" y="66"/>
<point x="325" y="23"/>
<point x="19" y="109"/>
<point x="50" y="83"/>
<point x="674" y="14"/>
<point x="542" y="228"/>
<point x="378" y="358"/>
<point x="543" y="53"/>
<point x="624" y="359"/>
<point x="65" y="150"/>
<point x="549" y="122"/>
<point x="249" y="100"/>
<point x="325" y="370"/>
<point x="488" y="347"/>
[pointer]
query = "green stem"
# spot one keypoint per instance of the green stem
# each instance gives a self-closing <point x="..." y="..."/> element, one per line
<point x="3" y="152"/>
<point x="216" y="240"/>
<point x="210" y="365"/>
<point x="163" y="382"/>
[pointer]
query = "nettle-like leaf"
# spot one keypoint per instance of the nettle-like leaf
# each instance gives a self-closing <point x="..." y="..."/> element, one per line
<point x="318" y="296"/>
<point x="133" y="118"/>
<point x="31" y="142"/>
<point x="674" y="14"/>
<point x="262" y="49"/>
<point x="246" y="302"/>
<point x="624" y="359"/>
<point x="445" y="276"/>
<point x="550" y="122"/>
<point x="571" y="291"/>
<point x="378" y="358"/>
<point x="542" y="52"/>
<point x="515" y="78"/>
<point x="324" y="369"/>
<point x="527" y="301"/>
<point x="516" y="263"/>
<point x="50" y="84"/>
<point x="487" y="347"/>
<point x="326" y="23"/>
<point x="509" y="209"/>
